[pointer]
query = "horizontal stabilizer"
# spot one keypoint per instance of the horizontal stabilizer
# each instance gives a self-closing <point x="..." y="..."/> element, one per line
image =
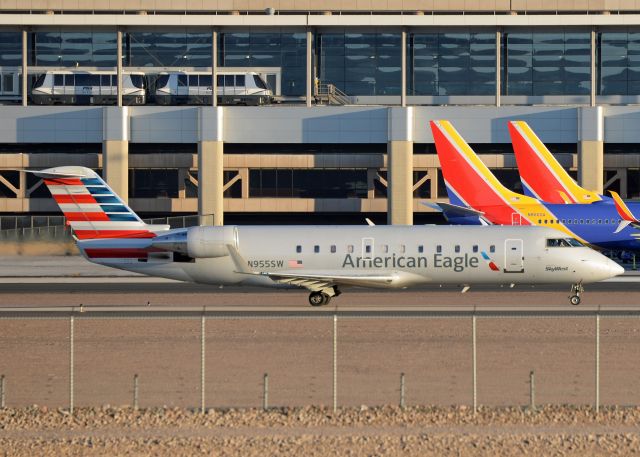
<point x="454" y="210"/>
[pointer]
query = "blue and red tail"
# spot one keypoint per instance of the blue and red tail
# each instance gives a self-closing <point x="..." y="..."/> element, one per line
<point x="91" y="208"/>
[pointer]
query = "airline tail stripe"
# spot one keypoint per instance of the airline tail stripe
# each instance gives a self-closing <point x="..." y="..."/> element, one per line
<point x="63" y="182"/>
<point x="68" y="190"/>
<point x="118" y="253"/>
<point x="88" y="207"/>
<point x="622" y="208"/>
<point x="133" y="225"/>
<point x="86" y="216"/>
<point x="92" y="234"/>
<point x="81" y="198"/>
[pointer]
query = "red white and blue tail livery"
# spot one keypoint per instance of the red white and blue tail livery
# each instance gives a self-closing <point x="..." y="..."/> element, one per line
<point x="91" y="208"/>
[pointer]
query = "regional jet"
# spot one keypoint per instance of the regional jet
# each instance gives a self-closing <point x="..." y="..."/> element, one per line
<point x="321" y="259"/>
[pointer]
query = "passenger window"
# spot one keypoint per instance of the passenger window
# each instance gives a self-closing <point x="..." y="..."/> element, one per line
<point x="240" y="80"/>
<point x="492" y="248"/>
<point x="228" y="80"/>
<point x="403" y="248"/>
<point x="420" y="249"/>
<point x="298" y="249"/>
<point x="599" y="221"/>
<point x="593" y="221"/>
<point x="316" y="249"/>
<point x="205" y="80"/>
<point x="69" y="80"/>
<point x="333" y="248"/>
<point x="58" y="80"/>
<point x="105" y="80"/>
<point x="193" y="80"/>
<point x="7" y="83"/>
<point x="385" y="248"/>
<point x="220" y="80"/>
<point x="457" y="248"/>
<point x="438" y="249"/>
<point x="475" y="248"/>
<point x="350" y="248"/>
<point x="539" y="221"/>
<point x="182" y="80"/>
<point x="367" y="249"/>
<point x="582" y="221"/>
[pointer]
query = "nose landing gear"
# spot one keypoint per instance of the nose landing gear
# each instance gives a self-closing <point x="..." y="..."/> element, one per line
<point x="576" y="290"/>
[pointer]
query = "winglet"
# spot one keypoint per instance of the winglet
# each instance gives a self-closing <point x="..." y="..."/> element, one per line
<point x="370" y="223"/>
<point x="624" y="212"/>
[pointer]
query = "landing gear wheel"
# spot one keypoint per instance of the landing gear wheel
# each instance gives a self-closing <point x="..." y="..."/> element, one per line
<point x="576" y="291"/>
<point x="318" y="299"/>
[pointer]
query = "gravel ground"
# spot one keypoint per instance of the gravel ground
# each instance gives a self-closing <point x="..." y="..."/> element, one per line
<point x="317" y="431"/>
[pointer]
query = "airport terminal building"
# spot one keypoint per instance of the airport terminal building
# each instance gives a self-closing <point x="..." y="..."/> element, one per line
<point x="160" y="97"/>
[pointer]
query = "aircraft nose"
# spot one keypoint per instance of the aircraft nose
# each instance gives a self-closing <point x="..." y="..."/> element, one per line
<point x="615" y="268"/>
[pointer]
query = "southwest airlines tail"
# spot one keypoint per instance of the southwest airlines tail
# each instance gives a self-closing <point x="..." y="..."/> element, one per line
<point x="470" y="183"/>
<point x="91" y="208"/>
<point x="541" y="174"/>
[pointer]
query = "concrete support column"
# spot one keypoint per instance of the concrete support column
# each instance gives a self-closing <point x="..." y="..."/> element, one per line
<point x="25" y="75"/>
<point x="115" y="149"/>
<point x="210" y="166"/>
<point x="498" y="67"/>
<point x="591" y="148"/>
<point x="119" y="65"/>
<point x="593" y="68"/>
<point x="403" y="66"/>
<point x="214" y="63"/>
<point x="400" y="166"/>
<point x="309" y="96"/>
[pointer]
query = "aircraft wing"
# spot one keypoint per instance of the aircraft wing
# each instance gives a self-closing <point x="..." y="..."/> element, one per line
<point x="319" y="281"/>
<point x="313" y="281"/>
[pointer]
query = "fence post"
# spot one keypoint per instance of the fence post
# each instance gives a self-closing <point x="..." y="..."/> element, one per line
<point x="402" y="405"/>
<point x="2" y="392"/>
<point x="335" y="362"/>
<point x="71" y="362"/>
<point x="532" y="391"/>
<point x="597" y="363"/>
<point x="202" y="362"/>
<point x="265" y="391"/>
<point x="135" y="392"/>
<point x="475" y="365"/>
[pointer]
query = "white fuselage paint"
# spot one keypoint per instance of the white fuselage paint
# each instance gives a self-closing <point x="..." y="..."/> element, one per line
<point x="448" y="255"/>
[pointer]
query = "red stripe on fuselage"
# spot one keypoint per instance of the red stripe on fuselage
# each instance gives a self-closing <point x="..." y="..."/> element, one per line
<point x="83" y="217"/>
<point x="94" y="234"/>
<point x="63" y="182"/>
<point x="76" y="198"/>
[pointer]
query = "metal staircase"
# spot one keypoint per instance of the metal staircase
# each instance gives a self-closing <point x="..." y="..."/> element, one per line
<point x="329" y="94"/>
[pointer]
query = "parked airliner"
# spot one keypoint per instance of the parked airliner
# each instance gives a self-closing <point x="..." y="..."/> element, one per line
<point x="541" y="174"/>
<point x="322" y="259"/>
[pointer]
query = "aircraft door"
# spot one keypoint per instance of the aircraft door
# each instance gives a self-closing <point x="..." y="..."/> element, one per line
<point x="516" y="219"/>
<point x="367" y="248"/>
<point x="513" y="256"/>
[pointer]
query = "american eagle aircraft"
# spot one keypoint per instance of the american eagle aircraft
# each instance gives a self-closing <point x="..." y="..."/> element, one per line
<point x="322" y="259"/>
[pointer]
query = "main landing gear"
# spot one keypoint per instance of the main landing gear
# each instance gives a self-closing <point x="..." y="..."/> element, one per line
<point x="576" y="290"/>
<point x="323" y="297"/>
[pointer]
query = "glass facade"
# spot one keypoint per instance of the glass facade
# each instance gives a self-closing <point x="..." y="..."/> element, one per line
<point x="546" y="63"/>
<point x="451" y="64"/>
<point x="285" y="50"/>
<point x="361" y="63"/>
<point x="71" y="49"/>
<point x="305" y="183"/>
<point x="618" y="57"/>
<point x="153" y="183"/>
<point x="167" y="49"/>
<point x="10" y="49"/>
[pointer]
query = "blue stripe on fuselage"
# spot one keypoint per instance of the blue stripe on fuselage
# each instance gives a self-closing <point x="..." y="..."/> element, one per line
<point x="597" y="232"/>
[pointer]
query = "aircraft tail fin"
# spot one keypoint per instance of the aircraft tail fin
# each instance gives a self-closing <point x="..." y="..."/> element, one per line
<point x="623" y="211"/>
<point x="91" y="207"/>
<point x="542" y="175"/>
<point x="469" y="181"/>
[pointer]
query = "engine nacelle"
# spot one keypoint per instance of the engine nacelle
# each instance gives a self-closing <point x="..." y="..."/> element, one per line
<point x="198" y="242"/>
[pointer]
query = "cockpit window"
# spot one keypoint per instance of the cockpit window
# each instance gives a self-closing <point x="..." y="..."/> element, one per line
<point x="562" y="243"/>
